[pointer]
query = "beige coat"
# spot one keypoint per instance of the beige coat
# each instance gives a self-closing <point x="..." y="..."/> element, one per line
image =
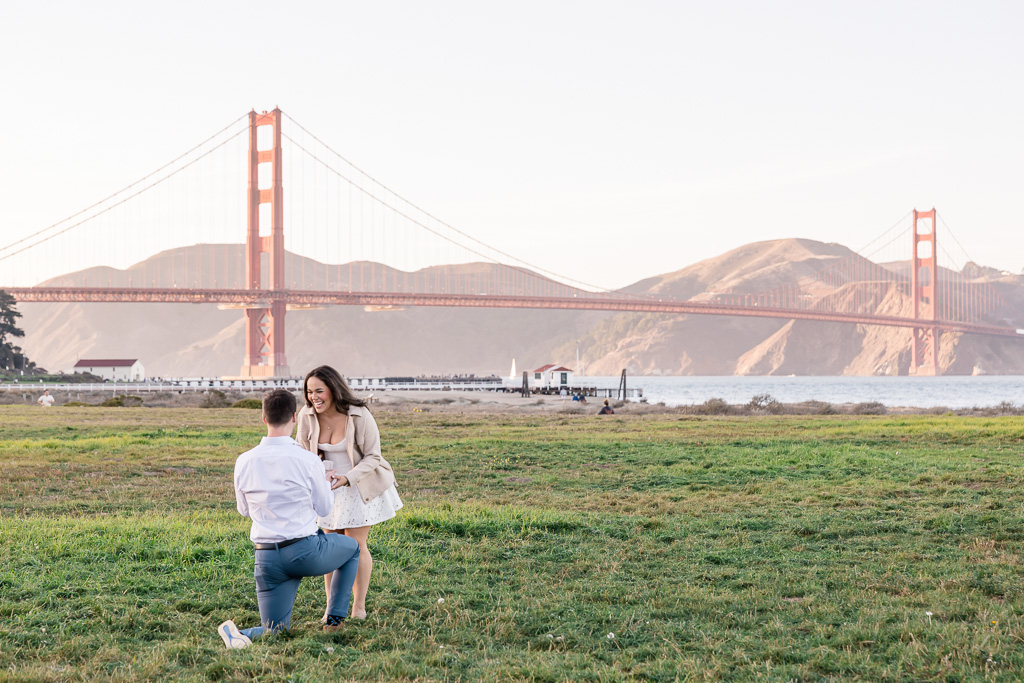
<point x="370" y="474"/>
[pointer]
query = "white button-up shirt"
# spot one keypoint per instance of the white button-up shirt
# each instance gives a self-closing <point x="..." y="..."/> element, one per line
<point x="282" y="487"/>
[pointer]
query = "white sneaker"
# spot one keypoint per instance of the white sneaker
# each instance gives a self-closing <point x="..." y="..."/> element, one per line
<point x="232" y="637"/>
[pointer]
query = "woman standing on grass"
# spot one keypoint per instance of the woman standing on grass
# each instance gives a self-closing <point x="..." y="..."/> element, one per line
<point x="336" y="425"/>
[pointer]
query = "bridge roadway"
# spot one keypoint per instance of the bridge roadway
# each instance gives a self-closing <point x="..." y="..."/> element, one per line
<point x="259" y="298"/>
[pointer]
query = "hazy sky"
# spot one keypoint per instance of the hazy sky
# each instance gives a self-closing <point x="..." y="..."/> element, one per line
<point x="605" y="141"/>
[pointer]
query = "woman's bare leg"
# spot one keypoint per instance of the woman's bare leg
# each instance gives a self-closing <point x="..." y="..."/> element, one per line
<point x="362" y="583"/>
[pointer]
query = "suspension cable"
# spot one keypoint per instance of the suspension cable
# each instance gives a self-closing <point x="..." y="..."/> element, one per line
<point x="895" y="225"/>
<point x="124" y="189"/>
<point x="429" y="215"/>
<point x="986" y="282"/>
<point x="448" y="239"/>
<point x="4" y="257"/>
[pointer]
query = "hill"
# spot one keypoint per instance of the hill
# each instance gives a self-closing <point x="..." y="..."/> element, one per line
<point x="203" y="340"/>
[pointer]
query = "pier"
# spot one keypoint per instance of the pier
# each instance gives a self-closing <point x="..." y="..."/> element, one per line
<point x="360" y="384"/>
<point x="588" y="390"/>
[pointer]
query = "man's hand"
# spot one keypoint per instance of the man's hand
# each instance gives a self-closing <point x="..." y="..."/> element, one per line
<point x="339" y="481"/>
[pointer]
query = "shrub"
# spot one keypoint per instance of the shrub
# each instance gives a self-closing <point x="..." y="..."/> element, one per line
<point x="214" y="399"/>
<point x="76" y="404"/>
<point x="869" y="408"/>
<point x="121" y="402"/>
<point x="819" y="407"/>
<point x="990" y="411"/>
<point x="80" y="378"/>
<point x="1007" y="408"/>
<point x="713" y="406"/>
<point x="251" y="403"/>
<point x="765" y="403"/>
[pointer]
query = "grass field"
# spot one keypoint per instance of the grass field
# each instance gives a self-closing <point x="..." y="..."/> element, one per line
<point x="773" y="548"/>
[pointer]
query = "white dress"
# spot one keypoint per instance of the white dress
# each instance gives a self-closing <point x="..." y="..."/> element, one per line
<point x="350" y="511"/>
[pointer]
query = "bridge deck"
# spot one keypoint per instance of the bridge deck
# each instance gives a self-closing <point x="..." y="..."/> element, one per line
<point x="305" y="299"/>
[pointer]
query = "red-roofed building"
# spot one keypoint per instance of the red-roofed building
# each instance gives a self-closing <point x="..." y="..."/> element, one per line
<point x="552" y="375"/>
<point x="117" y="369"/>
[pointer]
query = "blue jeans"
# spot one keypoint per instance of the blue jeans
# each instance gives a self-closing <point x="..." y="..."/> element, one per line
<point x="279" y="571"/>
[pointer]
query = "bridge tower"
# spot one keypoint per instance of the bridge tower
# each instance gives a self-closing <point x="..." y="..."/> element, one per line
<point x="264" y="325"/>
<point x="924" y="289"/>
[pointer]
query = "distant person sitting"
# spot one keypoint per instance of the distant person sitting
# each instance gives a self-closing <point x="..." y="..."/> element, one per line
<point x="283" y="487"/>
<point x="583" y="398"/>
<point x="606" y="409"/>
<point x="45" y="400"/>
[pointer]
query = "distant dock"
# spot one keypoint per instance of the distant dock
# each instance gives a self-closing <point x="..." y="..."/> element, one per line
<point x="361" y="384"/>
<point x="588" y="390"/>
<point x="489" y="383"/>
<point x="427" y="383"/>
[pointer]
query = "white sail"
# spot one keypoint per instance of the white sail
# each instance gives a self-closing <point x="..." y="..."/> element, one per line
<point x="512" y="373"/>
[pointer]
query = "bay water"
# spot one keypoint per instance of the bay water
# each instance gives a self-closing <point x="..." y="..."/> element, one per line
<point x="911" y="392"/>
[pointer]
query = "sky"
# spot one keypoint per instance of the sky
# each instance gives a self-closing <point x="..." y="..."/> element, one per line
<point x="604" y="141"/>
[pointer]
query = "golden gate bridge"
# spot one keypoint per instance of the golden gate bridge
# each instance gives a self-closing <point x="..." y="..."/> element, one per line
<point x="351" y="240"/>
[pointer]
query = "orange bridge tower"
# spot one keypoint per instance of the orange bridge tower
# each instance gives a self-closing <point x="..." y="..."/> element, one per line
<point x="924" y="290"/>
<point x="264" y="254"/>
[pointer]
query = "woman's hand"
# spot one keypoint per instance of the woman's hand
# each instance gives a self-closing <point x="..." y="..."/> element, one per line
<point x="339" y="481"/>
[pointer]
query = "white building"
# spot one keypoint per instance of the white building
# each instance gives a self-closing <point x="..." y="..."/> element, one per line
<point x="552" y="376"/>
<point x="117" y="369"/>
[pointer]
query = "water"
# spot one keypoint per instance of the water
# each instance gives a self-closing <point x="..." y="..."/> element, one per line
<point x="916" y="392"/>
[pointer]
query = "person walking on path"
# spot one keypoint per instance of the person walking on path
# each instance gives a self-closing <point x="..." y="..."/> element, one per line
<point x="282" y="487"/>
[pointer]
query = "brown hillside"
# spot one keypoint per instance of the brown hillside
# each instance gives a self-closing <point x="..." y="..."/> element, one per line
<point x="202" y="340"/>
<point x="193" y="267"/>
<point x="750" y="268"/>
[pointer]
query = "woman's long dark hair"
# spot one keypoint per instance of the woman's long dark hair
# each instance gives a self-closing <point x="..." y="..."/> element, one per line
<point x="341" y="394"/>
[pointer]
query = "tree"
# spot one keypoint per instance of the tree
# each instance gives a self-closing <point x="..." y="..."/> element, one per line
<point x="13" y="358"/>
<point x="9" y="353"/>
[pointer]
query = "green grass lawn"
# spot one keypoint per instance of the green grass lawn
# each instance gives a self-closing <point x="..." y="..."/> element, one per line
<point x="772" y="548"/>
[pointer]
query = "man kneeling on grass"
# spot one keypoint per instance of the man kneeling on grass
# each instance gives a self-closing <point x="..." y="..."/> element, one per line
<point x="283" y="487"/>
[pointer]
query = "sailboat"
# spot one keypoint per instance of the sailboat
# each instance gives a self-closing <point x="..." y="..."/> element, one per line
<point x="512" y="372"/>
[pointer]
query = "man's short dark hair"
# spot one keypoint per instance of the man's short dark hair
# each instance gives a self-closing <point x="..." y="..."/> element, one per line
<point x="278" y="407"/>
